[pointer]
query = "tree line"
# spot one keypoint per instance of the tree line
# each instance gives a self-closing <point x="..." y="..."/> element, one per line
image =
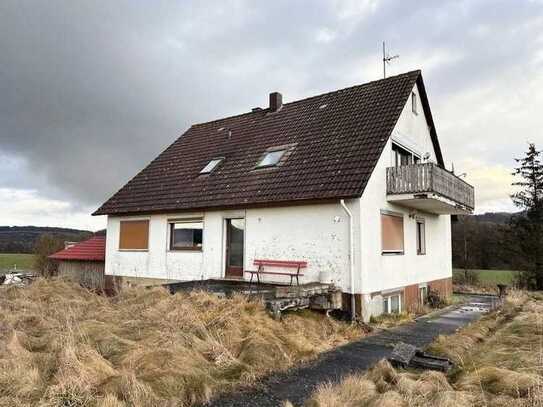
<point x="508" y="241"/>
<point x="22" y="239"/>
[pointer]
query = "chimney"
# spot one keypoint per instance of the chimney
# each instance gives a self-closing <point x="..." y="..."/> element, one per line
<point x="276" y="101"/>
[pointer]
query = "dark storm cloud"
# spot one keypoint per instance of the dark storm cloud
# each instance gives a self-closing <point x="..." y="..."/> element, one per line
<point x="92" y="91"/>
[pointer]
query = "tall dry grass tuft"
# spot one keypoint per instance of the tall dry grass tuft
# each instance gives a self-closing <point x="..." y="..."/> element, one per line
<point x="354" y="391"/>
<point x="64" y="345"/>
<point x="500" y="363"/>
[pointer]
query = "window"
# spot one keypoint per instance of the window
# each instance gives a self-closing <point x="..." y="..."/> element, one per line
<point x="392" y="233"/>
<point x="423" y="294"/>
<point x="211" y="165"/>
<point x="271" y="158"/>
<point x="186" y="234"/>
<point x="134" y="235"/>
<point x="400" y="156"/>
<point x="392" y="304"/>
<point x="421" y="236"/>
<point x="414" y="102"/>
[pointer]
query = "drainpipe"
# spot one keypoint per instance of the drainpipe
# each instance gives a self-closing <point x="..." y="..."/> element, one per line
<point x="351" y="257"/>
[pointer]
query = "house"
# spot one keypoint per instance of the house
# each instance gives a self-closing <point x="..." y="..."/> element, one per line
<point x="352" y="181"/>
<point x="83" y="262"/>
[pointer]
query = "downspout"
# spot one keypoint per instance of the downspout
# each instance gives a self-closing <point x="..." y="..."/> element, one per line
<point x="351" y="257"/>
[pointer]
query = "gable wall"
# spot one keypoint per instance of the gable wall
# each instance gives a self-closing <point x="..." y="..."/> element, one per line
<point x="388" y="272"/>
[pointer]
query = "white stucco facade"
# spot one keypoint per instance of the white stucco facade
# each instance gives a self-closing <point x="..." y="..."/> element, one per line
<point x="381" y="273"/>
<point x="316" y="233"/>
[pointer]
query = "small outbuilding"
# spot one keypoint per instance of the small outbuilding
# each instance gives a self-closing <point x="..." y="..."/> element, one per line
<point x="83" y="262"/>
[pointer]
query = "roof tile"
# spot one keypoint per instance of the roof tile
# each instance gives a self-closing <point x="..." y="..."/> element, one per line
<point x="93" y="249"/>
<point x="336" y="150"/>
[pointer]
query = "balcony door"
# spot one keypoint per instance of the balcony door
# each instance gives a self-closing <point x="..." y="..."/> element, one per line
<point x="235" y="242"/>
<point x="400" y="156"/>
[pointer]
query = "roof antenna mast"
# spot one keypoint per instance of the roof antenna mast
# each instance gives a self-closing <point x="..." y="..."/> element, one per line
<point x="386" y="60"/>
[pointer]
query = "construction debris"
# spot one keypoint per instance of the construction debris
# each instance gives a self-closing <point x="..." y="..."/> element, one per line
<point x="20" y="279"/>
<point x="405" y="355"/>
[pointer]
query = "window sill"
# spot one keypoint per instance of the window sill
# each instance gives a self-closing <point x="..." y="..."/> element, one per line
<point x="134" y="250"/>
<point x="266" y="167"/>
<point x="188" y="249"/>
<point x="392" y="253"/>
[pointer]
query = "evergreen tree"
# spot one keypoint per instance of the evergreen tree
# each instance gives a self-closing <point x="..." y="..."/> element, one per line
<point x="527" y="227"/>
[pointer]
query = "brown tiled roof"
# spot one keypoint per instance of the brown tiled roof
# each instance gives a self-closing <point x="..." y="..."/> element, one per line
<point x="335" y="140"/>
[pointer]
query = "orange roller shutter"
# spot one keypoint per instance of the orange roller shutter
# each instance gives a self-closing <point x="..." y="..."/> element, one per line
<point x="134" y="235"/>
<point x="392" y="233"/>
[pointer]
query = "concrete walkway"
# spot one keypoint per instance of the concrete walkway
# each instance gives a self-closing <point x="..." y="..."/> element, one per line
<point x="297" y="384"/>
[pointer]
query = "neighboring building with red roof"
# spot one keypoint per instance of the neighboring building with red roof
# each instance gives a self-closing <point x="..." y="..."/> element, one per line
<point x="83" y="262"/>
<point x="93" y="249"/>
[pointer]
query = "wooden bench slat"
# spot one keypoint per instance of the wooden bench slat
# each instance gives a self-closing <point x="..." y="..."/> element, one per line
<point x="280" y="263"/>
<point x="273" y="272"/>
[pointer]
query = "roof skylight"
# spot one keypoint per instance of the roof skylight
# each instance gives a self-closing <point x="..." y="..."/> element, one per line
<point x="271" y="158"/>
<point x="211" y="165"/>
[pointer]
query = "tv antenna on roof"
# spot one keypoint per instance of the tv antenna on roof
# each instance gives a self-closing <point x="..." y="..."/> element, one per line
<point x="386" y="60"/>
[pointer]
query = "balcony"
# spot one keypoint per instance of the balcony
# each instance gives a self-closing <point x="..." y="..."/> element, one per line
<point x="429" y="188"/>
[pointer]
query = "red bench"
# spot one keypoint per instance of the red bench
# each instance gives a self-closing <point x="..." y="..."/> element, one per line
<point x="298" y="265"/>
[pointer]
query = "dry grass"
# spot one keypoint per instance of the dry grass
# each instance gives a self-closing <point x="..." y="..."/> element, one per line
<point x="391" y="320"/>
<point x="499" y="363"/>
<point x="65" y="346"/>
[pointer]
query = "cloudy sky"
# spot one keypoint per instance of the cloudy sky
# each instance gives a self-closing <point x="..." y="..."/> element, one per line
<point x="91" y="91"/>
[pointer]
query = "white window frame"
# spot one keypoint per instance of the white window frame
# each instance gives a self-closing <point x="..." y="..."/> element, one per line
<point x="212" y="165"/>
<point x="414" y="158"/>
<point x="423" y="294"/>
<point x="388" y="299"/>
<point x="420" y="238"/>
<point x="172" y="222"/>
<point x="398" y="215"/>
<point x="261" y="164"/>
<point x="414" y="104"/>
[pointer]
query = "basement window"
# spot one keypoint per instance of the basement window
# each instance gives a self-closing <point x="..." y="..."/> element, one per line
<point x="271" y="158"/>
<point x="392" y="304"/>
<point x="423" y="295"/>
<point x="186" y="234"/>
<point x="210" y="167"/>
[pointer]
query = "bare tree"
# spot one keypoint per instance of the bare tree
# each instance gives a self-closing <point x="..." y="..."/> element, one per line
<point x="44" y="247"/>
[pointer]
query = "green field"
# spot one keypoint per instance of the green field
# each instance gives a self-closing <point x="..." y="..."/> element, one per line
<point x="492" y="276"/>
<point x="22" y="261"/>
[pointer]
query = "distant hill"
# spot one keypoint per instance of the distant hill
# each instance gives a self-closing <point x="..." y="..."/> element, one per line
<point x="21" y="239"/>
<point x="500" y="218"/>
